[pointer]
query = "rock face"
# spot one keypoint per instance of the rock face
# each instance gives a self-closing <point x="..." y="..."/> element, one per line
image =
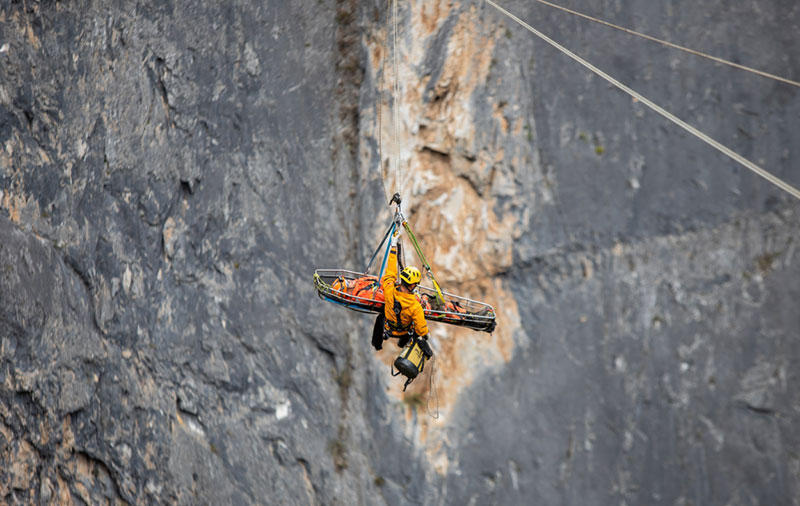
<point x="171" y="173"/>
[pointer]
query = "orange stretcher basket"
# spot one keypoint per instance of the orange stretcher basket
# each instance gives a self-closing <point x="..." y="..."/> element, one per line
<point x="362" y="292"/>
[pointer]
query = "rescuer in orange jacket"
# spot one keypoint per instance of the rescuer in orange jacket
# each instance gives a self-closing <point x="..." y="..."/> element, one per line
<point x="403" y="316"/>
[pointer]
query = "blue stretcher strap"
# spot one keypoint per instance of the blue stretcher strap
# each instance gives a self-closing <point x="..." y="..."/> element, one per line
<point x="386" y="255"/>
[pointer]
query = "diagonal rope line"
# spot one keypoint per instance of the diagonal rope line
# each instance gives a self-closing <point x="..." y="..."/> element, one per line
<point x="672" y="45"/>
<point x="652" y="105"/>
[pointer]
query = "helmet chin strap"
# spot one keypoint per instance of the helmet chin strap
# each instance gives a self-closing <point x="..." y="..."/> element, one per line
<point x="407" y="288"/>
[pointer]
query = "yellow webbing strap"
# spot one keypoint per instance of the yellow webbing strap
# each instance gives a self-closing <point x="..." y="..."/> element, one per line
<point x="425" y="263"/>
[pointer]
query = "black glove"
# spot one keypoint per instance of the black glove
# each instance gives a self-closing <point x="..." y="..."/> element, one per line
<point x="426" y="348"/>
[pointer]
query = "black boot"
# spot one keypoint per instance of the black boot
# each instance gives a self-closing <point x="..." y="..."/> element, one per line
<point x="377" y="332"/>
<point x="403" y="341"/>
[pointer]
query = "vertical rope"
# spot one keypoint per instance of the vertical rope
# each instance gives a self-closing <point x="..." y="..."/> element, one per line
<point x="386" y="194"/>
<point x="432" y="391"/>
<point x="395" y="93"/>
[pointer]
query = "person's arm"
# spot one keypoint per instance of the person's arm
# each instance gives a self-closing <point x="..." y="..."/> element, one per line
<point x="387" y="283"/>
<point x="390" y="274"/>
<point x="420" y="325"/>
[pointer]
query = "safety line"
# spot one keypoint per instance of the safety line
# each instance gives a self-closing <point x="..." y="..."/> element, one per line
<point x="652" y="105"/>
<point x="395" y="93"/>
<point x="672" y="45"/>
<point x="378" y="249"/>
<point x="432" y="390"/>
<point x="386" y="255"/>
<point x="380" y="105"/>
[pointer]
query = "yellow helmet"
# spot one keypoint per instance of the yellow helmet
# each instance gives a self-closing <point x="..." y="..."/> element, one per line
<point x="411" y="275"/>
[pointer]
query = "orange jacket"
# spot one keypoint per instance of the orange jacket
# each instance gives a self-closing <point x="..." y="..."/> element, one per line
<point x="411" y="314"/>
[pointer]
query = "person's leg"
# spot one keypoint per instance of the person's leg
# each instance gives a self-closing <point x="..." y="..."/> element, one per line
<point x="377" y="332"/>
<point x="403" y="341"/>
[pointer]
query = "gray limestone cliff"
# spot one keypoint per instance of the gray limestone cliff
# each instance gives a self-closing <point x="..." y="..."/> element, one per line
<point x="171" y="174"/>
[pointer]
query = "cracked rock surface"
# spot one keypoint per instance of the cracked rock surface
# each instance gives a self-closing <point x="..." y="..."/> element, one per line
<point x="171" y="173"/>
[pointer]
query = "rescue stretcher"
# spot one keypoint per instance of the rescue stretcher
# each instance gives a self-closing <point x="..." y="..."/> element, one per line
<point x="363" y="293"/>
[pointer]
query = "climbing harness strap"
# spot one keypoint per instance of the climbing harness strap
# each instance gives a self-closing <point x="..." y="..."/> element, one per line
<point x="397" y="326"/>
<point x="398" y="309"/>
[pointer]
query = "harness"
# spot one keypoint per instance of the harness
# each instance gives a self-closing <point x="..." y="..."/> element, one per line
<point x="396" y="326"/>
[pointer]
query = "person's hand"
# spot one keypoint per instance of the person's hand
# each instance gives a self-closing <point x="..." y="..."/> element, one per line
<point x="396" y="236"/>
<point x="426" y="347"/>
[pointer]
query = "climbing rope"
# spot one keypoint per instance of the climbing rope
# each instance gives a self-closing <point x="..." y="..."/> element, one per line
<point x="432" y="391"/>
<point x="386" y="193"/>
<point x="672" y="45"/>
<point x="394" y="157"/>
<point x="395" y="94"/>
<point x="655" y="107"/>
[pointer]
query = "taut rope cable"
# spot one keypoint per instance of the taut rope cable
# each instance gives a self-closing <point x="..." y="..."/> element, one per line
<point x="674" y="46"/>
<point x="432" y="391"/>
<point x="395" y="92"/>
<point x="652" y="105"/>
<point x="380" y="106"/>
